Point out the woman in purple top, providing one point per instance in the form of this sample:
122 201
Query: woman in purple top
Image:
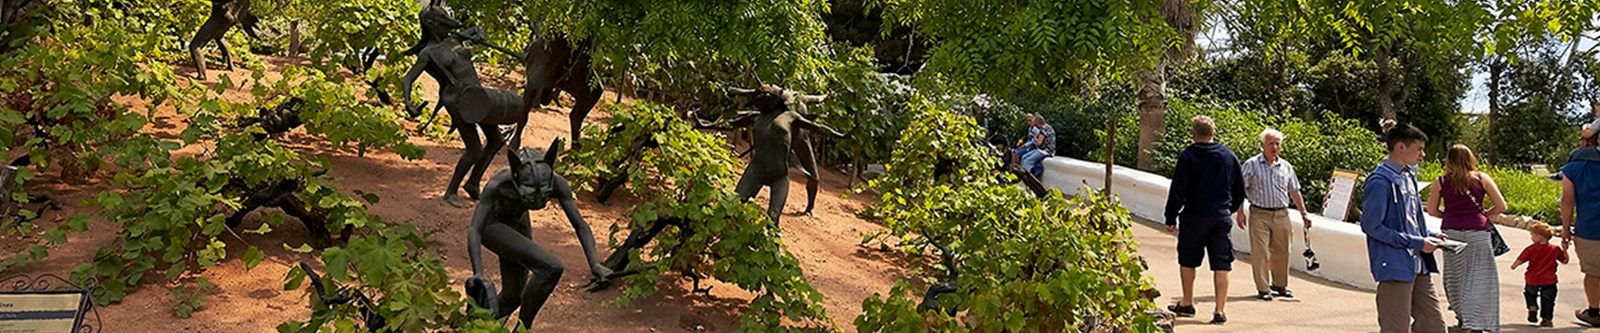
1471 281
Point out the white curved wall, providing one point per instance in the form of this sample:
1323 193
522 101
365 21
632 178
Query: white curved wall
1341 247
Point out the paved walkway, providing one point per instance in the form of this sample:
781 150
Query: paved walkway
1324 306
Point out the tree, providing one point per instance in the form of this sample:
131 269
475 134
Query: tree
1433 33
1002 47
1182 16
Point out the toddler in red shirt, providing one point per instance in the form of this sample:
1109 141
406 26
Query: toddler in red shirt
1542 258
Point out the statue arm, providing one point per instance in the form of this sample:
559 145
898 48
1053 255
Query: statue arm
807 124
579 226
410 80
480 218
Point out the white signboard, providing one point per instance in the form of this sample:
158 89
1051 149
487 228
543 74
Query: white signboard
1340 191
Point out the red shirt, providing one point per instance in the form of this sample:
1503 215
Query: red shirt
1541 259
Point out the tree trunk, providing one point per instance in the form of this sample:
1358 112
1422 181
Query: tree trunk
294 37
1152 113
1111 151
1180 15
1385 83
1496 72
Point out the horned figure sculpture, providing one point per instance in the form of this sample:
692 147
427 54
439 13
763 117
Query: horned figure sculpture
224 15
779 122
559 65
501 224
471 106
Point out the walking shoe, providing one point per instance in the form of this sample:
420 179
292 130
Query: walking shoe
1182 310
1546 323
1264 295
1533 316
1589 317
1218 318
1283 292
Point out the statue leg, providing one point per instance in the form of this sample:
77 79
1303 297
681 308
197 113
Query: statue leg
513 276
780 194
586 100
495 142
748 185
546 270
227 57
808 164
199 41
469 136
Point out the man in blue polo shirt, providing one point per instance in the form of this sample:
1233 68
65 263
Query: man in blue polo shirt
1207 188
1399 244
1580 216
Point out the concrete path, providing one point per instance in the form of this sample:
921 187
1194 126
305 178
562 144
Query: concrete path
1324 306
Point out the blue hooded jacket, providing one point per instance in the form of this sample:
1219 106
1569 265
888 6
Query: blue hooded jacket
1395 240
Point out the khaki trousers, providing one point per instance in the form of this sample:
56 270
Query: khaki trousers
1269 247
1400 302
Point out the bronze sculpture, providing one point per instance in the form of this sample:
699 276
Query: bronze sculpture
471 105
559 64
224 15
778 123
501 224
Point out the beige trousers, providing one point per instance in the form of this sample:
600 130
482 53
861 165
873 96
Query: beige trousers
1269 247
1400 302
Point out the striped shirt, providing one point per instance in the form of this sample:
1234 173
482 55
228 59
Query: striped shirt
1269 185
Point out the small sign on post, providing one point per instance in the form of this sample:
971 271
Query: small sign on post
28 306
1341 189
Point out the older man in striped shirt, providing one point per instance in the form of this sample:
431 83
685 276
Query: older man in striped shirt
1270 184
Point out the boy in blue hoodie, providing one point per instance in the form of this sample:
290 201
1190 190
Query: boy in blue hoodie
1399 244
1207 188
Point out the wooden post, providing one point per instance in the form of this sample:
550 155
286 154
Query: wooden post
294 37
1111 151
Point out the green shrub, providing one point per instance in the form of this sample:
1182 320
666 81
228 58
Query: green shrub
689 177
1025 263
1315 148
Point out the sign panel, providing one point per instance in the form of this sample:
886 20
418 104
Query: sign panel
42 311
1341 189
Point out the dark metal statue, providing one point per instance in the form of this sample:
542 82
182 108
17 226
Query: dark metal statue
471 106
559 64
501 224
778 123
224 15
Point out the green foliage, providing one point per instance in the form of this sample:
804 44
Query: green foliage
688 178
936 140
1024 44
868 107
342 32
406 282
1026 263
329 111
1315 148
673 46
1526 193
187 299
